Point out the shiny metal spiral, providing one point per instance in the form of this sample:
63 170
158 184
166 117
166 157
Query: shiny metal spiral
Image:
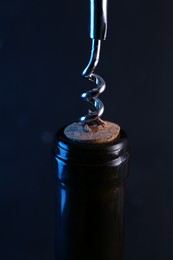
91 96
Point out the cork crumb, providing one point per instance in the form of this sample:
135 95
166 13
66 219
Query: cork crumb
96 127
98 133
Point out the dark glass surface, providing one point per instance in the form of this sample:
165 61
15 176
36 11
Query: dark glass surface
90 188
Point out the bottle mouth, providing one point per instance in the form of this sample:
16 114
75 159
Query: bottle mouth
93 154
85 166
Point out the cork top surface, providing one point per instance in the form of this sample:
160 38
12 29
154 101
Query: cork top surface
103 133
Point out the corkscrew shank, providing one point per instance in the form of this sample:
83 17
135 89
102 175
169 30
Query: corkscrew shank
98 30
92 95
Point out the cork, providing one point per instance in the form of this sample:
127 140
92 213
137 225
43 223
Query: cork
103 133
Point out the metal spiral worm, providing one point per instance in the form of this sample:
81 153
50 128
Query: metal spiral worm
98 30
92 95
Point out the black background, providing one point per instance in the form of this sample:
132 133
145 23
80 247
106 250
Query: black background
44 46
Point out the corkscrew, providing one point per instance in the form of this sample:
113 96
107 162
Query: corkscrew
98 31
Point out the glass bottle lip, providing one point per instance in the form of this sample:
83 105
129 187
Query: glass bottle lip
85 153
